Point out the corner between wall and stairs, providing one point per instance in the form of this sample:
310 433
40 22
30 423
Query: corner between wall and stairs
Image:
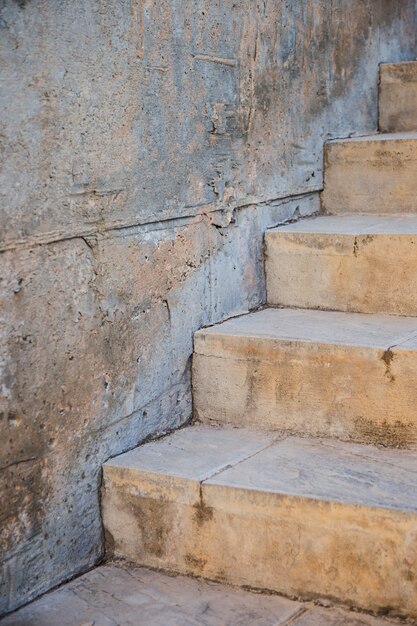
299 475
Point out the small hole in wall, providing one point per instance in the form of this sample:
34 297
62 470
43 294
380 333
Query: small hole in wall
13 419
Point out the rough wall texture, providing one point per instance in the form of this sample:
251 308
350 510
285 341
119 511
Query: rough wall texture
145 147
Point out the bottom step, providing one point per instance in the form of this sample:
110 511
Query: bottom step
306 518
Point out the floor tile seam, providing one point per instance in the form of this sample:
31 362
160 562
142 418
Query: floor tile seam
293 619
152 599
89 605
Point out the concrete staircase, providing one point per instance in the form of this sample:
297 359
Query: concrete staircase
301 475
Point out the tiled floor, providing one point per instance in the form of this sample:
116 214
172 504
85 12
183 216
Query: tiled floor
122 595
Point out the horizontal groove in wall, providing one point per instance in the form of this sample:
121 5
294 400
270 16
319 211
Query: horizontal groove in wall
57 236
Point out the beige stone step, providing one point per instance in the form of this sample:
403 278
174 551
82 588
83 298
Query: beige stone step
362 263
398 97
306 518
375 174
346 375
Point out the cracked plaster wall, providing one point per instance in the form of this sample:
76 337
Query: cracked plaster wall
145 148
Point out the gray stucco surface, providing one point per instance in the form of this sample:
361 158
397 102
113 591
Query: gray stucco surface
146 146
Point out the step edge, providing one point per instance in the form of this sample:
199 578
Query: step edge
204 337
327 500
410 136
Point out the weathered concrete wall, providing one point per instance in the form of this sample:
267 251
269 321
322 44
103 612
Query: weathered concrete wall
145 146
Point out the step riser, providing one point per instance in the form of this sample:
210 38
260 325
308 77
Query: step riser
363 273
353 393
370 176
398 97
295 546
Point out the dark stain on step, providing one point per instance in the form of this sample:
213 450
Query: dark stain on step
154 519
388 357
363 240
355 247
195 563
203 513
397 434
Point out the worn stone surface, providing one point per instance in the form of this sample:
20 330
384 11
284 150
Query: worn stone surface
344 375
374 174
398 97
126 595
307 518
345 263
143 147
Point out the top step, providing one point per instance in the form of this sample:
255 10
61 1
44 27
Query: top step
398 97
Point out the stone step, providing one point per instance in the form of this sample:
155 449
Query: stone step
375 174
398 97
361 263
320 373
305 518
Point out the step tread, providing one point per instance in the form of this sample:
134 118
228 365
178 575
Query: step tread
388 224
315 326
309 468
193 453
384 137
330 470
